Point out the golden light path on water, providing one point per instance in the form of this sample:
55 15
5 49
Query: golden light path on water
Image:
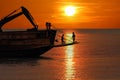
70 73
69 63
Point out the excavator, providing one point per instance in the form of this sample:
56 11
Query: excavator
14 15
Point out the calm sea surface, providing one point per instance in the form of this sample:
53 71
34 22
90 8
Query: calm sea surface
96 57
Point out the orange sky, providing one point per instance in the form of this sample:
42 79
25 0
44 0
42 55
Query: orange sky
89 13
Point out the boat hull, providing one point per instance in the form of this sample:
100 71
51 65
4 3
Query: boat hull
25 43
33 52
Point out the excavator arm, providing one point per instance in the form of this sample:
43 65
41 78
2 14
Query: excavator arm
12 16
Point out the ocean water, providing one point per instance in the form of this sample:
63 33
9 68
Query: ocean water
96 57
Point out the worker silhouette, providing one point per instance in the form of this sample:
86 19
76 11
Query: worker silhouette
48 25
62 39
73 36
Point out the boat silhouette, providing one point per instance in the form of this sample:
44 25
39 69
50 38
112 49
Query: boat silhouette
32 42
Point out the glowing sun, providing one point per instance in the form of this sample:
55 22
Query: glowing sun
70 10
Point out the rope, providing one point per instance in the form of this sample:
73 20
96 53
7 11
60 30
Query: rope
65 38
63 33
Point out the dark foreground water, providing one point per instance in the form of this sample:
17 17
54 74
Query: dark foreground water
96 57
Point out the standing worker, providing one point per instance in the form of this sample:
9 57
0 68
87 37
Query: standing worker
73 36
62 38
48 25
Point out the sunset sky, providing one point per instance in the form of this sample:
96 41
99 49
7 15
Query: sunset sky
87 13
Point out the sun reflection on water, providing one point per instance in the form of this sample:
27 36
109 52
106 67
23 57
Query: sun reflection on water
70 73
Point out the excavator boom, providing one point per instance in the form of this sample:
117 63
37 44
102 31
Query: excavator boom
11 17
